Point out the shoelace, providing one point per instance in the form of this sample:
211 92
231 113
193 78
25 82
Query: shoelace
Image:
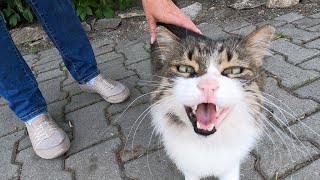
41 131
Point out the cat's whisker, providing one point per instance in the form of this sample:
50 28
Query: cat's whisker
266 131
146 112
291 132
148 151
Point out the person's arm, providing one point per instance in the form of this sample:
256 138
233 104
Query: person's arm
165 11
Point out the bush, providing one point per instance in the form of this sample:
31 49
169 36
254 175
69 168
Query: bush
13 10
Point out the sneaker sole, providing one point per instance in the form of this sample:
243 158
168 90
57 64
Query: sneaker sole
119 97
56 151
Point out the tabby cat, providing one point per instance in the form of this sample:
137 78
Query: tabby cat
206 100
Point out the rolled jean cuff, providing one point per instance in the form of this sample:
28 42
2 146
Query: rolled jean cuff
88 78
35 113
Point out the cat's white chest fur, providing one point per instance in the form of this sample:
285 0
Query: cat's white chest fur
217 155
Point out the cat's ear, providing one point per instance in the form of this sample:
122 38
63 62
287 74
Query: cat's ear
256 44
167 42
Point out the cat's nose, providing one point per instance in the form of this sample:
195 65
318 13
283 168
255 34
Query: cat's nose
207 87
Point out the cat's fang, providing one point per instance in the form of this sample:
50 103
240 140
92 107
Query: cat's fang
218 110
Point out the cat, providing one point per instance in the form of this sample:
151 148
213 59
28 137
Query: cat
206 101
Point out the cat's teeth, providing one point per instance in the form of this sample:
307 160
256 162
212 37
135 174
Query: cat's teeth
218 110
210 127
198 125
194 108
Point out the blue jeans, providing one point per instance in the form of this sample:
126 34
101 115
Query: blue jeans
17 83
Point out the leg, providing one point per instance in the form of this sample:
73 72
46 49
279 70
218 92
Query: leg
63 27
231 174
19 87
17 83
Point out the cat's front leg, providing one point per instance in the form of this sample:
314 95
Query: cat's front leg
232 174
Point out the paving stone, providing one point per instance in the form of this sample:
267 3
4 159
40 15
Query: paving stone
247 170
317 15
283 155
82 100
306 22
234 26
36 168
90 126
30 59
102 42
3 102
49 75
309 172
314 28
109 23
291 76
140 129
115 70
156 165
134 53
245 31
192 10
48 58
297 34
7 143
142 68
109 57
308 128
47 67
313 44
98 162
296 54
131 83
72 89
69 79
145 39
310 91
52 51
9 121
290 17
298 106
56 110
51 90
215 33
312 64
273 23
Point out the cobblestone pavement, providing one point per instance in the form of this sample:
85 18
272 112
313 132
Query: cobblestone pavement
109 145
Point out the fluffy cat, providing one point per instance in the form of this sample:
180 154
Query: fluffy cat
206 100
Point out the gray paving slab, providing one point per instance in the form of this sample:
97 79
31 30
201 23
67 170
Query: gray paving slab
82 100
90 126
48 58
52 51
313 64
297 34
309 172
51 90
316 15
137 131
105 57
72 89
291 76
134 53
245 31
44 76
98 162
214 32
142 68
115 70
9 122
296 54
306 22
30 59
313 44
136 97
234 26
47 67
308 128
273 23
286 108
8 170
3 102
36 168
282 154
290 17
310 91
314 28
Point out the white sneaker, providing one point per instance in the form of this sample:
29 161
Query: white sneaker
111 91
48 139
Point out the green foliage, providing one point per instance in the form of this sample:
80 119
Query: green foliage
15 11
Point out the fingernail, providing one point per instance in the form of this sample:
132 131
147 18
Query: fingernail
152 40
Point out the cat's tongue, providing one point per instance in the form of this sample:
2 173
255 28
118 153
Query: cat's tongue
206 116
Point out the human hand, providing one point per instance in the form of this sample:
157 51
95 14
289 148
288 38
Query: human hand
165 11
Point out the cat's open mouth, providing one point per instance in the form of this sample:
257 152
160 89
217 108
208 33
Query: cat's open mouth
204 117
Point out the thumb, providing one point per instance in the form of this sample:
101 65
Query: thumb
152 28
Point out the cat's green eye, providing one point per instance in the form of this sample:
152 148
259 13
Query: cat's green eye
185 69
232 70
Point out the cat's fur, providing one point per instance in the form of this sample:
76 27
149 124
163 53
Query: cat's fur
198 150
